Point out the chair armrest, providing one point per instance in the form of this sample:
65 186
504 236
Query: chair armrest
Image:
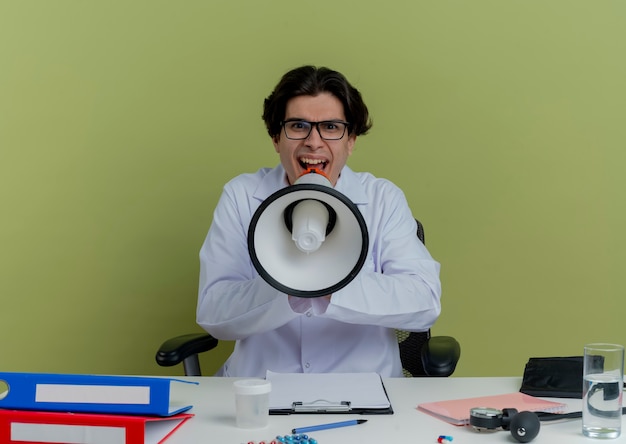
440 355
175 350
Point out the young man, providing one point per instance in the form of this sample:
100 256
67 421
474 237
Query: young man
314 116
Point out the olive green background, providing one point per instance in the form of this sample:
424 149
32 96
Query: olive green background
503 121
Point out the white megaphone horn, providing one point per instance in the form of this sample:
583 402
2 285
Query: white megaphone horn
308 239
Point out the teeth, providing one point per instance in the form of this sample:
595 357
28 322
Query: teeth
311 161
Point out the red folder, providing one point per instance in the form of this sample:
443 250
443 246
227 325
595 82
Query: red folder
37 427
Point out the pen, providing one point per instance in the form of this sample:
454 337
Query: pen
332 425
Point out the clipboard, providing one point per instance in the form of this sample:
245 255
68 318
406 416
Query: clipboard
332 393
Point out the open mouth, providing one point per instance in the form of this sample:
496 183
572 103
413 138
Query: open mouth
306 163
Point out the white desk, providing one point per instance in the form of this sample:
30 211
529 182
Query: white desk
214 421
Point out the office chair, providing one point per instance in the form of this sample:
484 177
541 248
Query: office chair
420 353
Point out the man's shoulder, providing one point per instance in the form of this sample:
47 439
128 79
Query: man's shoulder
374 183
248 180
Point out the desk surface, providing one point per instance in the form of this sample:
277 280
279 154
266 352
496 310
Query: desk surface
214 421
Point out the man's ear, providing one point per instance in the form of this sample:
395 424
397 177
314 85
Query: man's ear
351 142
275 140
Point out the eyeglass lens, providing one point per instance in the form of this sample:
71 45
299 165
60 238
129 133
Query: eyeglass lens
301 129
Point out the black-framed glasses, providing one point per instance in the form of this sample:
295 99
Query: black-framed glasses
298 129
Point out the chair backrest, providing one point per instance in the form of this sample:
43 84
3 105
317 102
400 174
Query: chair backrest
411 342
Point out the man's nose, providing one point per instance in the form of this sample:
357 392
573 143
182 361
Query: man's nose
315 137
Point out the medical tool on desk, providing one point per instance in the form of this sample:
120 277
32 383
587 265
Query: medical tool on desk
523 426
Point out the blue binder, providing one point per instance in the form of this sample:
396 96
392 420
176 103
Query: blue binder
130 395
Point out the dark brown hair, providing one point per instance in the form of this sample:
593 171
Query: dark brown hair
311 81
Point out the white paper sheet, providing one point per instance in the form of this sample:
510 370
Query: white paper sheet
362 390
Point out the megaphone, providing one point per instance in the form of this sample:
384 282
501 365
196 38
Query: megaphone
308 239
